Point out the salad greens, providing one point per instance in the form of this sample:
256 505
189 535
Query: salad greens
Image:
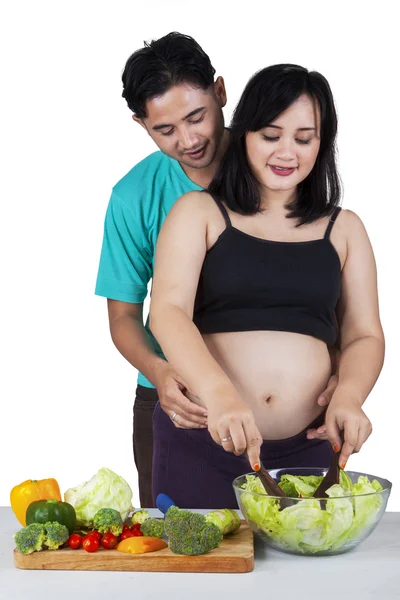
304 526
105 489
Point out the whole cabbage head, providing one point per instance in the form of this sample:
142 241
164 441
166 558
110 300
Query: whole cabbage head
106 489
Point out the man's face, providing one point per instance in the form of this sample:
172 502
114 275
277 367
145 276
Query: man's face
187 123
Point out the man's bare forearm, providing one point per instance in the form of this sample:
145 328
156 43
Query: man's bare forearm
132 340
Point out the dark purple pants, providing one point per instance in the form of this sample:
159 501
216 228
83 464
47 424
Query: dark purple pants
196 472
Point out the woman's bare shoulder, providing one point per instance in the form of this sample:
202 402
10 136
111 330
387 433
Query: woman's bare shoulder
349 219
192 203
350 223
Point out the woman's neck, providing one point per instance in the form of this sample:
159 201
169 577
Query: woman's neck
277 201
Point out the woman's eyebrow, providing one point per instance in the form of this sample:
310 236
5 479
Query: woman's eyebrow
298 129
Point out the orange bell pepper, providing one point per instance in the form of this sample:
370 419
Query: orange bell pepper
141 545
30 490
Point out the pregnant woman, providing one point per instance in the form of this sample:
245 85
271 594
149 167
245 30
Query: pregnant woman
254 282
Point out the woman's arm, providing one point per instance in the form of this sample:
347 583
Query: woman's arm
180 253
361 341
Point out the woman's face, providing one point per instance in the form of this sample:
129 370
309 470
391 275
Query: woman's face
282 154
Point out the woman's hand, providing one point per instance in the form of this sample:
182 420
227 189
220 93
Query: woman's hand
324 400
345 414
231 424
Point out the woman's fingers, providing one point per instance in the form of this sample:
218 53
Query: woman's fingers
232 437
234 440
254 441
241 437
245 437
356 430
351 431
326 396
333 432
363 435
317 434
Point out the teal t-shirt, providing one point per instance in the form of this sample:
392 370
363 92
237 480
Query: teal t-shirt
139 203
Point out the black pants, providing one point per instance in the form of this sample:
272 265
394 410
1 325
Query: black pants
143 408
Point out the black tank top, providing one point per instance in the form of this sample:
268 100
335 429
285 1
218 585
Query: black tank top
248 284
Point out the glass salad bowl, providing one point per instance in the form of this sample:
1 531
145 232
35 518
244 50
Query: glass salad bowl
310 526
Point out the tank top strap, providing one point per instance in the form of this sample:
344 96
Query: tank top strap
331 222
222 209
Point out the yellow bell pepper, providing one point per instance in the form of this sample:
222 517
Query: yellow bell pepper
141 545
28 491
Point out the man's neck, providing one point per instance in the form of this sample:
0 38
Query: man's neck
203 177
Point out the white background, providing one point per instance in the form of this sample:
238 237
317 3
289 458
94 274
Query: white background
67 137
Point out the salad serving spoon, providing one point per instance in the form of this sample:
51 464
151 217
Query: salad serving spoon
272 488
332 477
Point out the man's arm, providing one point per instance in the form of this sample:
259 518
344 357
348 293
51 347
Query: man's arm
131 339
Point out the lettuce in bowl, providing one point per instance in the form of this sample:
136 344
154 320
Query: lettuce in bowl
352 511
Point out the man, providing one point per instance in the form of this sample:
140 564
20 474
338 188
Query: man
169 86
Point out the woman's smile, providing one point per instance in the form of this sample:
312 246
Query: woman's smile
282 171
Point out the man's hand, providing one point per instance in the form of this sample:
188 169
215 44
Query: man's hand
170 388
323 400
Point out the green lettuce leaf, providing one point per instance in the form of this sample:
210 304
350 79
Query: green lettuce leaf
304 526
304 485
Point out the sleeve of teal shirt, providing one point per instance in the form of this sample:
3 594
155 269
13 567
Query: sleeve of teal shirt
125 262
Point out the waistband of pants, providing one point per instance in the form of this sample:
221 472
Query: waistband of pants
297 439
167 430
146 393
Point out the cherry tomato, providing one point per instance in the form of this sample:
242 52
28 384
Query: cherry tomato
126 534
95 534
90 543
74 541
135 526
109 541
136 532
125 528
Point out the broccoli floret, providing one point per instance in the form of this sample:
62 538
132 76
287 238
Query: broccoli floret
153 527
108 520
189 533
30 539
140 516
56 535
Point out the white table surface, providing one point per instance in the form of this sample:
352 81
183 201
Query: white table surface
371 571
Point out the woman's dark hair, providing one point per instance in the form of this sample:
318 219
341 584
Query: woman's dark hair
268 93
161 64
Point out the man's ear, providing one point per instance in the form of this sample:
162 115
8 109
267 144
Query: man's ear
220 91
140 121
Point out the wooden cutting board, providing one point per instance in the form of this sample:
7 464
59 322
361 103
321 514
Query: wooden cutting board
235 555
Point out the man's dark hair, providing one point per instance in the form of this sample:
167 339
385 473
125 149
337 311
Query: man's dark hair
172 60
268 94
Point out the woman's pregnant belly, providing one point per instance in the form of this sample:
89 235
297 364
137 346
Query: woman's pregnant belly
279 374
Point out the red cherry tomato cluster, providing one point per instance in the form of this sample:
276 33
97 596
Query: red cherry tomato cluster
132 531
91 541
